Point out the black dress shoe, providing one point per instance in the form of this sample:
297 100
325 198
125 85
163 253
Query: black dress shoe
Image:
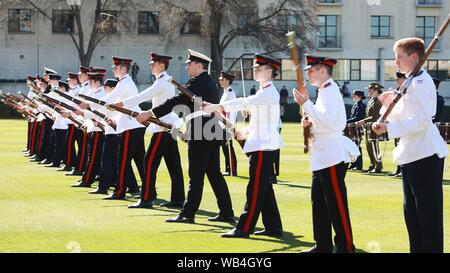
74 172
142 205
181 219
272 233
226 174
219 218
81 184
136 194
51 165
315 249
235 233
99 191
65 169
114 197
171 204
97 178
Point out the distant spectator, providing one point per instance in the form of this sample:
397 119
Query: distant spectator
134 72
284 95
253 90
440 102
345 91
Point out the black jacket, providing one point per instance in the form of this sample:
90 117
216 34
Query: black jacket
202 86
358 112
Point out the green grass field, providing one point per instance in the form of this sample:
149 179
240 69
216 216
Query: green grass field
40 212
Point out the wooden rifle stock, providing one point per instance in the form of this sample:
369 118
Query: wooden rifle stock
307 138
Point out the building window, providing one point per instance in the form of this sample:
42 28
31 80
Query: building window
287 70
355 70
108 24
247 64
438 69
287 22
429 2
425 28
19 20
62 21
390 70
148 22
328 37
247 21
380 26
191 24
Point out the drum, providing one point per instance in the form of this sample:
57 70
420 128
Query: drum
442 129
371 135
351 131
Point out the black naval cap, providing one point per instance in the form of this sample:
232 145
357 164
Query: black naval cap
110 83
54 77
71 75
315 60
261 59
359 93
64 84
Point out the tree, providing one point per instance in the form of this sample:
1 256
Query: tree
246 23
107 16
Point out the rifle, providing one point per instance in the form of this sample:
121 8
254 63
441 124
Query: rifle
77 101
402 90
122 110
307 138
59 111
228 124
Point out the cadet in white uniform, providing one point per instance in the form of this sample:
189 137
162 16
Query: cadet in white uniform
420 151
331 152
262 139
225 81
162 143
130 131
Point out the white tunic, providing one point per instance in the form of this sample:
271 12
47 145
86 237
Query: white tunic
229 94
159 92
124 89
264 107
411 121
99 94
329 118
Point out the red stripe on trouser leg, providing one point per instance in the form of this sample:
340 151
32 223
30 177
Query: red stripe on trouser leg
149 166
91 163
41 136
340 203
83 148
69 146
255 193
123 164
33 137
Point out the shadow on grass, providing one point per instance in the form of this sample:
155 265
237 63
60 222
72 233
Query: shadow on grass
446 182
291 184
